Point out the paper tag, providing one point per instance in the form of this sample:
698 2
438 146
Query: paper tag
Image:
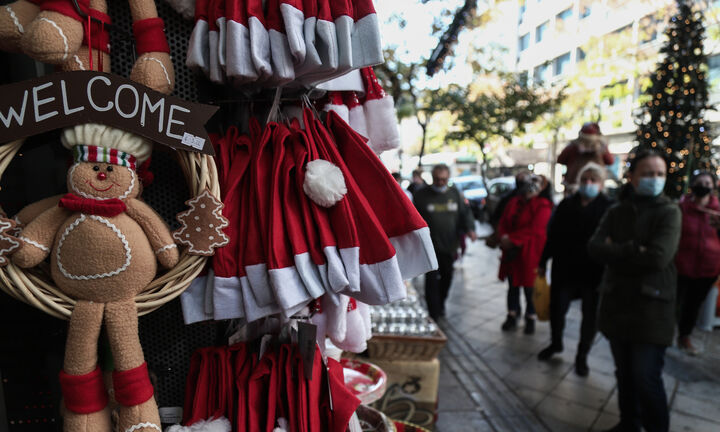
307 344
170 415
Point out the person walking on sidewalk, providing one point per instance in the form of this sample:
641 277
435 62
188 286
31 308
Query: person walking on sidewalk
574 274
447 216
637 240
522 231
698 257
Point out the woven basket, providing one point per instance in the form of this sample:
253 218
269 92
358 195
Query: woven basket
35 287
392 347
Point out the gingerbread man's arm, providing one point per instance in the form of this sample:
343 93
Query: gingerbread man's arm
38 237
156 231
31 211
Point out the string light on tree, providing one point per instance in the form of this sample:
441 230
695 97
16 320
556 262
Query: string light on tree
672 121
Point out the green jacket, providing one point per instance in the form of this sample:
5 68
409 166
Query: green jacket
447 216
637 292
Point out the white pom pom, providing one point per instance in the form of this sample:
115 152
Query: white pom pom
324 183
220 424
282 425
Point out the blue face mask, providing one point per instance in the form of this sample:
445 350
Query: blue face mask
440 189
650 186
589 190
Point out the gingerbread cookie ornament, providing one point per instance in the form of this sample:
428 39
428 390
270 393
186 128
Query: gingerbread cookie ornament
202 225
104 246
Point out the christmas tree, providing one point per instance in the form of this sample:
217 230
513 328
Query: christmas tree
671 121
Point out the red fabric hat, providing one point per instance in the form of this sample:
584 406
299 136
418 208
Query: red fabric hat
259 40
590 129
343 401
399 218
240 68
356 113
294 19
341 218
221 23
335 103
236 359
282 59
289 289
381 281
216 9
292 377
324 44
366 45
198 46
257 294
244 366
317 422
380 115
342 13
227 299
196 388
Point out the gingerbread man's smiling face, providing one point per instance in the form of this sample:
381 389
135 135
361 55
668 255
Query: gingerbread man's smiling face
99 180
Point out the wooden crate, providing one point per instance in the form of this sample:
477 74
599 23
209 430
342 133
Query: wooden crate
396 347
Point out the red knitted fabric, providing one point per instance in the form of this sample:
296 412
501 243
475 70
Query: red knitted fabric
150 36
84 394
132 387
108 208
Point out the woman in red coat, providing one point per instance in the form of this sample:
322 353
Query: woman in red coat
698 257
523 230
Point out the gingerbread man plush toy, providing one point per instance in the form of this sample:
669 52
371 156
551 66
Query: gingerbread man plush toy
104 245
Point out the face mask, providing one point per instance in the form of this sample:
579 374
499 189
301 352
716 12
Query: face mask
650 186
589 190
529 187
700 190
441 189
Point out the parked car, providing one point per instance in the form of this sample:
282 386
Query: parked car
497 189
474 191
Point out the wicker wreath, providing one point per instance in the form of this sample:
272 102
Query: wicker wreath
34 286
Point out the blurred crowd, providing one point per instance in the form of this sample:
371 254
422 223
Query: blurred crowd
641 264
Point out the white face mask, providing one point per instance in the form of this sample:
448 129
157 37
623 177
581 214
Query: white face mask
441 189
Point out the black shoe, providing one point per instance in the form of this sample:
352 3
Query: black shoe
509 324
581 366
529 326
548 352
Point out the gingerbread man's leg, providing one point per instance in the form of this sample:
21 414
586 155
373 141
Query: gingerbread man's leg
153 66
133 391
85 397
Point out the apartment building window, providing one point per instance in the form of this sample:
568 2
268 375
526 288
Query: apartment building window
564 15
561 64
540 31
540 73
523 8
579 55
585 11
524 42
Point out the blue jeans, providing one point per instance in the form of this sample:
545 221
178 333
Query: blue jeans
641 393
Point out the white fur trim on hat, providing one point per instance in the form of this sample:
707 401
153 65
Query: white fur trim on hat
107 137
382 126
324 183
218 425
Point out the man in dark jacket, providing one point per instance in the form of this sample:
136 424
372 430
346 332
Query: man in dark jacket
637 241
574 274
443 208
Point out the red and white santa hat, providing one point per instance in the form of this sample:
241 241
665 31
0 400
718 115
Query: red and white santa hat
366 44
380 115
590 132
216 10
293 17
356 114
321 58
259 40
240 68
407 230
342 13
335 103
282 59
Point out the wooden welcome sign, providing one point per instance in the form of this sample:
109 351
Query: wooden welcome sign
71 98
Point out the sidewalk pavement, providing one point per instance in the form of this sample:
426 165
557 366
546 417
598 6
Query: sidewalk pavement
492 381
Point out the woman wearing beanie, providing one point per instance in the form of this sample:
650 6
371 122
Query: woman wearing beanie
574 274
698 257
522 231
636 241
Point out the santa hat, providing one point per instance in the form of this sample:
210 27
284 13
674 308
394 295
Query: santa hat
293 19
342 13
198 50
216 9
335 103
221 23
380 115
591 132
100 143
321 57
240 68
282 59
356 115
366 45
259 40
